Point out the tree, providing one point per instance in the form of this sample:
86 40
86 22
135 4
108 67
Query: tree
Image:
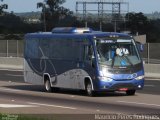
2 7
153 35
141 24
137 23
52 12
12 24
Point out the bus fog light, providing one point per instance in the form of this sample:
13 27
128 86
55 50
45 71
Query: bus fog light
139 86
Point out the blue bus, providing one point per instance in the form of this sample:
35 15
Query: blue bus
83 59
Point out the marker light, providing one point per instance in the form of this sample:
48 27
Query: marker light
71 30
114 36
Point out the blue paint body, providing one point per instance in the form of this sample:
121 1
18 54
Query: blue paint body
122 81
55 67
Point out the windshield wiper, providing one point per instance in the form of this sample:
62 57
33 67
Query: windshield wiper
113 61
128 60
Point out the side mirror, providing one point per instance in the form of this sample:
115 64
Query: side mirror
140 47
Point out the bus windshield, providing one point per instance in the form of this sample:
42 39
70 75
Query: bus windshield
117 53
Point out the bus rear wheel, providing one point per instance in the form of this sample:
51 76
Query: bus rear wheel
47 85
130 92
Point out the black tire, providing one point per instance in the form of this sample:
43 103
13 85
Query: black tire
89 90
130 92
55 89
47 85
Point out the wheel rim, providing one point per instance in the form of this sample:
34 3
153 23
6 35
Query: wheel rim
89 89
47 85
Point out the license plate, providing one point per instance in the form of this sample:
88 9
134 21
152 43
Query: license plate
123 89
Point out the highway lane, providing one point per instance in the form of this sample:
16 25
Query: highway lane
14 76
25 98
151 85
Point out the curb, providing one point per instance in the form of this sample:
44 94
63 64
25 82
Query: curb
152 75
11 67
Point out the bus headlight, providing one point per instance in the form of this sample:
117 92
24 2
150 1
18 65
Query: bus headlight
105 79
140 77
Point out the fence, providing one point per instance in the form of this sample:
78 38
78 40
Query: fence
151 53
11 48
14 48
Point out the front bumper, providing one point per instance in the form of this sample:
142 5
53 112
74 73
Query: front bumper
120 85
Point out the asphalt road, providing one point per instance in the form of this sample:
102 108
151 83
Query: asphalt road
17 97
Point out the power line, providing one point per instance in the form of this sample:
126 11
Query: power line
112 8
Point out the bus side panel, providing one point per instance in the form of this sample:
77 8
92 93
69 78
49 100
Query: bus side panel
73 79
61 59
63 73
68 74
31 76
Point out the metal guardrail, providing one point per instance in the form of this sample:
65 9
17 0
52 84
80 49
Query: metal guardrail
151 61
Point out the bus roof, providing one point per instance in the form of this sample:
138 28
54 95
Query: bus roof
73 32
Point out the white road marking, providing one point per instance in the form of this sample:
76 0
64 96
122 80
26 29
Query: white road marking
149 85
14 75
12 69
147 104
15 106
48 105
98 110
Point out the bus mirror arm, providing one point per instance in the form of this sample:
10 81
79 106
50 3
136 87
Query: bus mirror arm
93 63
90 57
140 46
80 64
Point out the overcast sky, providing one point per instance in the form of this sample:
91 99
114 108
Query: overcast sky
145 6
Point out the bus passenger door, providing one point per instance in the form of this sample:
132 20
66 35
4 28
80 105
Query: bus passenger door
84 66
77 73
89 57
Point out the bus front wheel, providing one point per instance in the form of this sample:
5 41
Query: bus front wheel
130 92
89 90
47 85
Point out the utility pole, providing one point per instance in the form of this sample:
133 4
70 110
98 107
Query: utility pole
103 8
100 13
148 52
116 13
85 14
44 17
43 5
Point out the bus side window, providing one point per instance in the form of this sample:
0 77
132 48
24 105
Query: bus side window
32 48
88 54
